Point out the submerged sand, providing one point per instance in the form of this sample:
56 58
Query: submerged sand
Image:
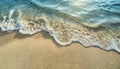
39 51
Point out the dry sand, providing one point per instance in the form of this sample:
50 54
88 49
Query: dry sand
40 52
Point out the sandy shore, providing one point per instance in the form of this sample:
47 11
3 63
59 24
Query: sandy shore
40 52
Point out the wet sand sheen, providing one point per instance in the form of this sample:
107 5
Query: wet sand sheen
18 51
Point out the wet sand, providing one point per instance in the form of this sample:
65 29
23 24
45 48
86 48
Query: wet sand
39 51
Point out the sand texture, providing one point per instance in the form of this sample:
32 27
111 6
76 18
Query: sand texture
39 51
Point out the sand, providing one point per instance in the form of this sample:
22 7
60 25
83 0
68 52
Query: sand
39 51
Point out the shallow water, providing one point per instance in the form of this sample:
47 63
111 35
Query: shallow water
90 22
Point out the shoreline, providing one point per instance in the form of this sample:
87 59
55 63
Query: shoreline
45 34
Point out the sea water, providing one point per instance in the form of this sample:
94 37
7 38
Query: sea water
89 22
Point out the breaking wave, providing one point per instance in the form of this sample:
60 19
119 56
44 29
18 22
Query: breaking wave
89 22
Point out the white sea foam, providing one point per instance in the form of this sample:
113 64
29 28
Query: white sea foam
86 41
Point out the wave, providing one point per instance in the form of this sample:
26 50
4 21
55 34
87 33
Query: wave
88 23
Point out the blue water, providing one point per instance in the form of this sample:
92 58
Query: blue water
89 22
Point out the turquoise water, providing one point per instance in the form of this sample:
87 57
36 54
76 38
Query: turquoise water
89 22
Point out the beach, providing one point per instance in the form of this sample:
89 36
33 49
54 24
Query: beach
40 51
59 34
